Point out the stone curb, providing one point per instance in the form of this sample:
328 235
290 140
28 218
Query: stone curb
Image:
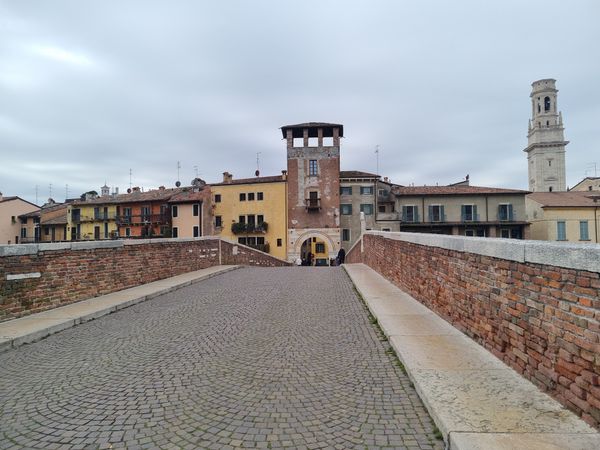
55 325
476 401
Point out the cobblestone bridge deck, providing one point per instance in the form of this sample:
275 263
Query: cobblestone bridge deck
259 358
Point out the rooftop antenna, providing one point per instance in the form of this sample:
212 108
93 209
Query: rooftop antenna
36 194
178 183
257 173
377 157
589 167
130 180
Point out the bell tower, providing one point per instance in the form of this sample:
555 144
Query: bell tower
546 141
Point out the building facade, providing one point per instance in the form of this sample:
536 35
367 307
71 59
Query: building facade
358 192
10 224
191 211
546 143
587 184
572 216
313 202
462 210
252 212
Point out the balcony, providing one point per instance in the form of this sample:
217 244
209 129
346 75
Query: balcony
142 219
469 218
313 204
102 216
388 216
245 228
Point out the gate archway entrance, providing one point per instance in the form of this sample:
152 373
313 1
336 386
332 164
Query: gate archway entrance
314 248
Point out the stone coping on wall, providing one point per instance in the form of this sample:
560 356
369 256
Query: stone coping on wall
568 255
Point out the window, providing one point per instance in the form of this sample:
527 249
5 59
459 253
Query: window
505 233
546 104
312 167
468 213
47 231
505 212
298 142
242 196
196 231
313 142
242 219
23 233
260 218
345 234
145 213
436 213
279 242
128 232
196 210
366 190
549 163
550 189
561 230
218 221
250 196
127 213
345 190
328 141
410 213
346 209
319 247
366 208
259 196
583 231
251 241
469 232
105 230
381 208
251 219
175 232
217 198
260 240
381 192
242 241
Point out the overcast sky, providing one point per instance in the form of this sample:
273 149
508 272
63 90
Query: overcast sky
92 89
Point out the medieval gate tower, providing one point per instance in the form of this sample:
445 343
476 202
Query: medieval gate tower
313 179
546 141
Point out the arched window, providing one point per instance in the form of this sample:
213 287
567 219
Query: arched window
539 108
546 104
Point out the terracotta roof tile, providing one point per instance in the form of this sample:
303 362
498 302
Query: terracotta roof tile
453 190
270 179
356 174
571 199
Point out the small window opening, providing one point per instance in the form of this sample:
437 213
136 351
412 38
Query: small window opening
546 104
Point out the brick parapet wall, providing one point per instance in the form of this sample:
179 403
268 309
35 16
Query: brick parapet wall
64 273
541 318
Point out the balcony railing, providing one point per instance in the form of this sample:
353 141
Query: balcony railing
140 219
388 216
470 218
313 204
243 228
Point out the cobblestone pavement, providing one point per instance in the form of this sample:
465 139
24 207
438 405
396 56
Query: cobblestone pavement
258 357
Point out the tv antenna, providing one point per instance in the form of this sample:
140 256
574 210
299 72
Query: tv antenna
258 163
591 166
36 194
377 158
130 180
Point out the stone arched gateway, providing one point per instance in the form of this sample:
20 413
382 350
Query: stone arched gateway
329 236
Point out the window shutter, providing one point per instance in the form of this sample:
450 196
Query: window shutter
463 212
430 213
442 216
416 214
475 219
510 212
404 213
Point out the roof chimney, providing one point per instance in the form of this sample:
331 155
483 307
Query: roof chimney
227 177
284 175
135 189
161 188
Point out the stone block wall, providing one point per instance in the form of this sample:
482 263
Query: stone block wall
37 277
534 305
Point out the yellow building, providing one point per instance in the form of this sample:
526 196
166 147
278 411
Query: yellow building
92 219
572 216
253 212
